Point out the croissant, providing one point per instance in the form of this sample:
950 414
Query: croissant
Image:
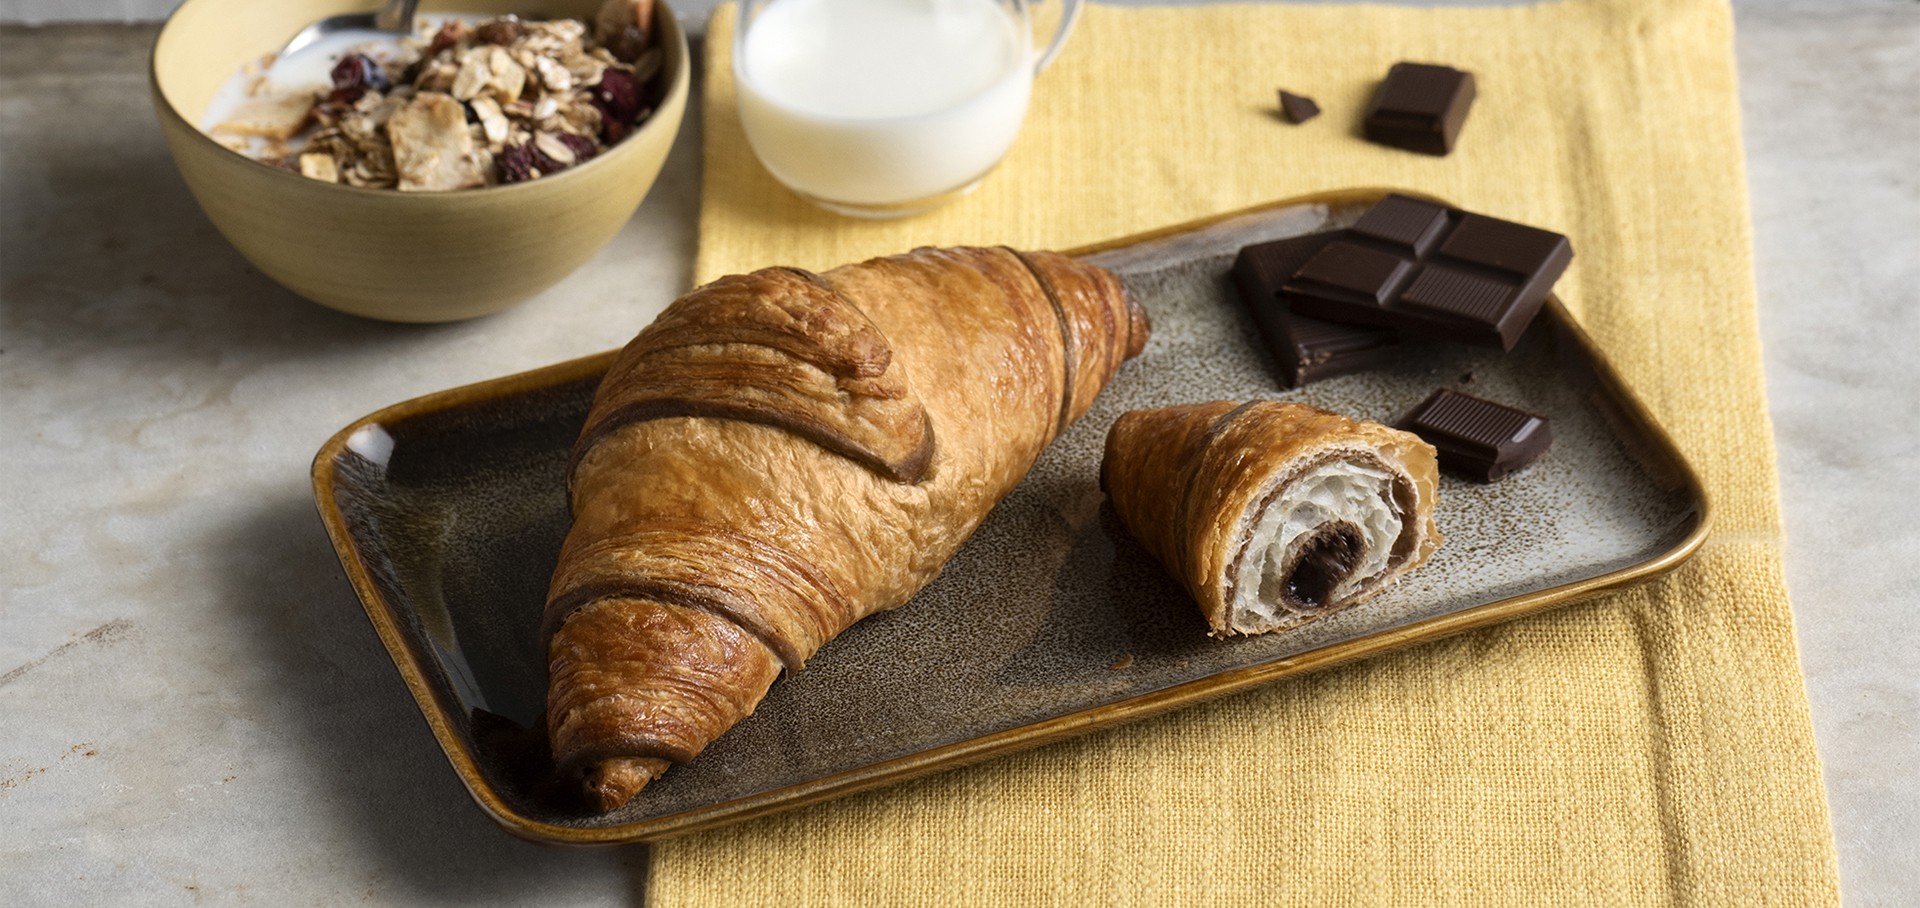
783 453
1272 514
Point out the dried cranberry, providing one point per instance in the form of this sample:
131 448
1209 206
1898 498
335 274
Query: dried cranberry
447 36
582 147
354 76
618 97
515 163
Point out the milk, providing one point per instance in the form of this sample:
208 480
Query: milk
882 102
311 67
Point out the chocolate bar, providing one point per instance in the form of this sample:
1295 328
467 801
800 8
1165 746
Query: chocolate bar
1298 108
1303 349
1420 107
1416 266
1476 437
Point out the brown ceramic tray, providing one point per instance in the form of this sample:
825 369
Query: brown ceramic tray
448 511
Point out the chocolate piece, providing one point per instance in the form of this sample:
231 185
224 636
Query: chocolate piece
1417 266
1298 108
1477 438
1420 107
1304 349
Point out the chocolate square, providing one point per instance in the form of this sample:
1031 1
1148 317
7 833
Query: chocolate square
1420 107
1411 223
1304 349
1354 272
1514 248
1416 266
1452 292
1477 438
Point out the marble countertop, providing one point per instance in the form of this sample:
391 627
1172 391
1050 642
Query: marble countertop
192 705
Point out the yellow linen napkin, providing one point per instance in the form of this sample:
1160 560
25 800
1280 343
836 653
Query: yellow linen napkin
1649 747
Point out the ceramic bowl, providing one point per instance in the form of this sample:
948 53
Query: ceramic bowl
381 253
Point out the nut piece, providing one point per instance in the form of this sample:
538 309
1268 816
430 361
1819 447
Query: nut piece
319 167
625 27
432 149
271 118
509 77
492 120
502 31
476 71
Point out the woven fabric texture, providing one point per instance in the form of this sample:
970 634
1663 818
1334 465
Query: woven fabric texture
1649 747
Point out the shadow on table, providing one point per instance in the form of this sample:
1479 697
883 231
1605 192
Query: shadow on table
101 240
382 779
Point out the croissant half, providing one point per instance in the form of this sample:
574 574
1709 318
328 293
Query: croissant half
1272 514
781 454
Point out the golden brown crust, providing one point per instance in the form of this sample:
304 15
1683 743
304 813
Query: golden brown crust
780 347
768 540
1187 481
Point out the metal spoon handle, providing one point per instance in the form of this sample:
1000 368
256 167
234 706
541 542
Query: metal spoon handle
395 16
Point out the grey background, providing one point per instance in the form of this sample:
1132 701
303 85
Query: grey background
132 341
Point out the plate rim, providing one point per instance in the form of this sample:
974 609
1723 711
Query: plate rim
411 661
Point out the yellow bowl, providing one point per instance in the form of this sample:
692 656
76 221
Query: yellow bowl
381 253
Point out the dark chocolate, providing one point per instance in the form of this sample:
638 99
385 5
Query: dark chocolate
1304 349
1425 268
1420 107
1477 438
1297 108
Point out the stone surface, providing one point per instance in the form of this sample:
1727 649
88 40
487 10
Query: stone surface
192 708
1831 96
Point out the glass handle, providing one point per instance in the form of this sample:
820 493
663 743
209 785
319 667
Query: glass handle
1069 14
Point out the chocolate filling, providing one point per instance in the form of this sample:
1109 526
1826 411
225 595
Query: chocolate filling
1323 561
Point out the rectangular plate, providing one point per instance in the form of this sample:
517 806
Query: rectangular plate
448 512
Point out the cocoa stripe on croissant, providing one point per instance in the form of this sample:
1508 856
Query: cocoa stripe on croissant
781 347
779 598
1068 370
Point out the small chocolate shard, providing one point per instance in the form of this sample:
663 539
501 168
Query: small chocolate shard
1420 107
1477 438
1304 349
1297 108
1419 267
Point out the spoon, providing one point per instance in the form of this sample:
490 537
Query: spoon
394 16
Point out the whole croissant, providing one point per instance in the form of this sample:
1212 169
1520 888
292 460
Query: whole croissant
783 453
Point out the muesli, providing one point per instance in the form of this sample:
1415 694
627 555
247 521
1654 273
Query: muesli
461 105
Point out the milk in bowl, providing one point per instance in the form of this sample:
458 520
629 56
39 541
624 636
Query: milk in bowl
882 107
